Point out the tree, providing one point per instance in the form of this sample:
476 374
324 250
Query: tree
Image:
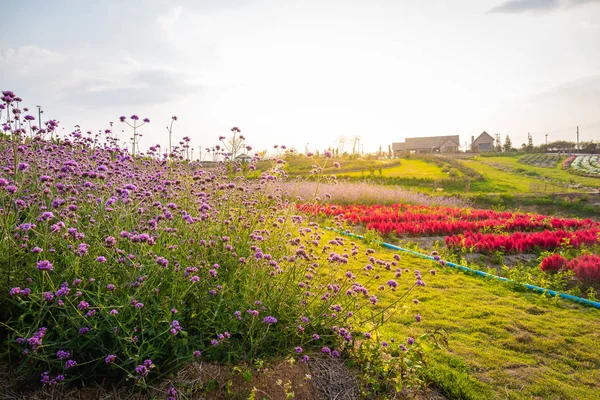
390 154
498 146
507 144
341 141
355 141
380 153
235 144
529 147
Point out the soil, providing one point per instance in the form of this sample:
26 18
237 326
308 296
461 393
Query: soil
319 379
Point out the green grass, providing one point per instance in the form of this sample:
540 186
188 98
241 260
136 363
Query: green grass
503 344
301 165
498 181
556 173
411 168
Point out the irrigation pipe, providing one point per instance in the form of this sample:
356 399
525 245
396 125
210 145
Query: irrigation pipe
536 289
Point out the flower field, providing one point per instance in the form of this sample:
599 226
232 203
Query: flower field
469 230
130 266
586 166
541 160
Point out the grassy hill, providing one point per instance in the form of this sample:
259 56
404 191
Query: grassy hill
503 343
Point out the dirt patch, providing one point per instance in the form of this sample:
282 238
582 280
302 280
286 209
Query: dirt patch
276 380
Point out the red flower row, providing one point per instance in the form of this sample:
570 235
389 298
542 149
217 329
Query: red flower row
520 242
402 219
586 267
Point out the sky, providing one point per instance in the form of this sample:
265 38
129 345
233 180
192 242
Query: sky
306 73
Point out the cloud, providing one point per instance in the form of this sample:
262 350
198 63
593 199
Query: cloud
84 77
27 59
537 6
585 89
140 85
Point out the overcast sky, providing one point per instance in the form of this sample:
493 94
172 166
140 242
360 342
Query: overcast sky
308 72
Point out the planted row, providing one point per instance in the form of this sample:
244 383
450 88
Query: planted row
404 219
541 160
586 267
520 242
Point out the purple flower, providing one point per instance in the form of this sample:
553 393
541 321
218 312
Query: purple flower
325 350
175 327
122 118
113 312
22 167
84 330
163 262
101 259
70 364
172 394
45 265
197 353
141 371
315 336
134 117
410 341
110 287
62 354
110 241
83 305
298 349
110 358
146 120
417 317
269 320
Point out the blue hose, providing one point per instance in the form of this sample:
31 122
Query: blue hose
533 288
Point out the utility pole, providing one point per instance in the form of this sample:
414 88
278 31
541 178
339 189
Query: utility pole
39 116
546 142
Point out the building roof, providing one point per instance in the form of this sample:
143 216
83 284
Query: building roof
484 135
433 141
398 146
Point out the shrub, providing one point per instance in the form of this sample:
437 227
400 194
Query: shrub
586 267
553 263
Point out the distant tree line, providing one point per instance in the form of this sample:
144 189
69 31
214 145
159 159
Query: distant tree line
558 146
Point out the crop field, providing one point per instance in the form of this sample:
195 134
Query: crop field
541 160
586 166
576 242
526 174
409 168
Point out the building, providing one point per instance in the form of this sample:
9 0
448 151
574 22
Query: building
484 142
243 158
433 144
